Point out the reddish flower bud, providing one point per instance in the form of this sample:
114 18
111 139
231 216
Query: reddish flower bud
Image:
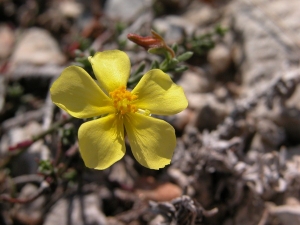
151 42
146 42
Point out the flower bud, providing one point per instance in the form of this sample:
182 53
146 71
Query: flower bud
153 44
146 42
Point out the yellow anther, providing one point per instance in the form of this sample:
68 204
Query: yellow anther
123 100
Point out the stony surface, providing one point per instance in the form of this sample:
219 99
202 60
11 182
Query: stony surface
7 40
269 42
30 212
194 82
43 50
2 92
126 10
84 205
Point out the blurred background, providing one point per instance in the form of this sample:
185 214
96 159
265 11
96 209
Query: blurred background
238 143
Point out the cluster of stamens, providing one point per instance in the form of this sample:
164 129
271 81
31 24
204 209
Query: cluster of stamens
122 100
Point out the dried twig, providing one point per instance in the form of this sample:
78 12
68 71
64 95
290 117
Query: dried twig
44 187
183 211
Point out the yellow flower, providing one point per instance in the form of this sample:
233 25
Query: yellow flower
101 141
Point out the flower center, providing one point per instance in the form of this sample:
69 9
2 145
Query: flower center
122 100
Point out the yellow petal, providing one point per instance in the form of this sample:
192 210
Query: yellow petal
77 93
159 94
152 141
101 142
112 69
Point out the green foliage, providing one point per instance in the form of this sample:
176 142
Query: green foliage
203 43
169 64
68 136
70 175
220 30
81 60
45 167
15 90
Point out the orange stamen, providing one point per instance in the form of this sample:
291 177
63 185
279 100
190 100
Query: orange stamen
123 100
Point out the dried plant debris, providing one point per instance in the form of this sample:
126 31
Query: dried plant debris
182 210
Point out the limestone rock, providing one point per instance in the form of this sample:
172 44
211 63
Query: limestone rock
30 211
71 9
36 46
2 92
201 14
286 214
194 82
126 10
209 111
173 28
7 40
28 158
59 212
268 38
219 58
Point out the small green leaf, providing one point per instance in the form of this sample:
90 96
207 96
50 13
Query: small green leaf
139 69
154 65
173 62
45 167
135 78
70 175
175 47
132 81
158 51
185 56
220 30
180 69
15 90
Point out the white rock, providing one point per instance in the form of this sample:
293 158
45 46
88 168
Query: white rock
126 10
59 212
180 120
38 47
194 82
219 58
269 35
32 210
286 214
26 163
2 91
16 135
209 111
159 219
172 28
197 101
19 134
70 8
200 14
7 40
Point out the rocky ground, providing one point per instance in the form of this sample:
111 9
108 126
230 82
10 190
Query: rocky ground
237 160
